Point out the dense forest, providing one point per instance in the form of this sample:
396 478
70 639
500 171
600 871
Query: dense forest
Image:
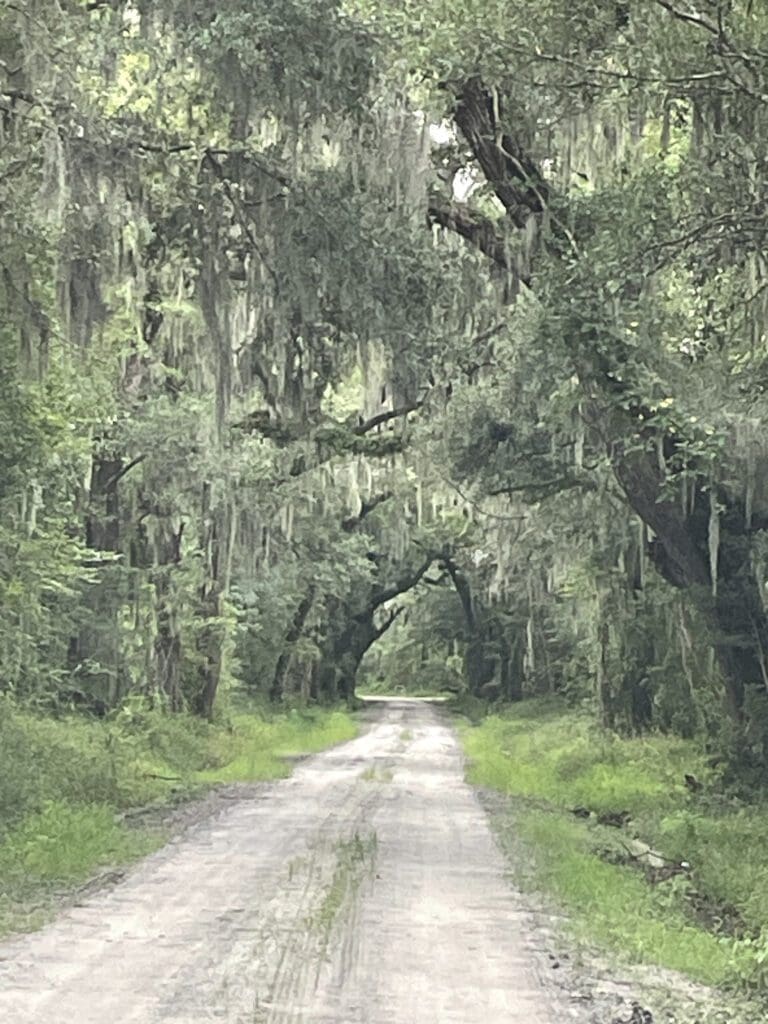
330 319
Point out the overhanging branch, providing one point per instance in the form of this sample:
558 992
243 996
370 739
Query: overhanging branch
385 417
464 591
691 17
351 524
379 631
554 486
513 175
122 472
406 582
474 228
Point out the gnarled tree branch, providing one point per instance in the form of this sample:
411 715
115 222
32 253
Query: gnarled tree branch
473 227
384 417
514 176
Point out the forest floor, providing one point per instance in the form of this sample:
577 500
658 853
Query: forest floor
367 887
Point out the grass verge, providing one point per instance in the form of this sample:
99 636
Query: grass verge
257 747
64 783
707 919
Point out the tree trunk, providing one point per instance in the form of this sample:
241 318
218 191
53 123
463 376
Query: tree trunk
95 656
166 647
345 651
209 650
344 654
603 677
732 605
346 645
211 629
276 691
478 667
512 667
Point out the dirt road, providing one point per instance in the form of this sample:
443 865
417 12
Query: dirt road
365 889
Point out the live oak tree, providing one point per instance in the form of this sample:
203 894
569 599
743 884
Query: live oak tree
617 188
199 249
308 305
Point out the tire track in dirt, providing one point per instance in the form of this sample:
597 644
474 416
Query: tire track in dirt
365 889
299 970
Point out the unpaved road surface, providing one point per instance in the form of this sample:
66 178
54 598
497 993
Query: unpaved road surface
365 889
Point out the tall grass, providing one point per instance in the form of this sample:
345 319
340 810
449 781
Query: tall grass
556 761
261 748
64 782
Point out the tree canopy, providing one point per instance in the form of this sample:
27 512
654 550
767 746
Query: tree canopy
323 319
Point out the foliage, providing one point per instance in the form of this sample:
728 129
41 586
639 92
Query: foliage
708 921
239 359
262 748
64 843
598 894
178 318
66 780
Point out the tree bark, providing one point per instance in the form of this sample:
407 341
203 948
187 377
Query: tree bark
210 638
512 667
344 653
345 646
166 647
276 690
478 667
94 654
733 606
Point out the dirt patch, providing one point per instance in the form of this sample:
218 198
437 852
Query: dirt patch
167 821
188 810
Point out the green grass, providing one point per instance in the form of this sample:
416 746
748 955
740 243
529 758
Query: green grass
554 760
261 748
562 758
374 774
355 860
64 843
614 906
65 781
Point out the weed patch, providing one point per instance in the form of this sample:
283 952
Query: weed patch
64 842
65 781
374 774
354 862
256 748
708 921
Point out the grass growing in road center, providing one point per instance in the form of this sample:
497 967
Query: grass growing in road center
708 923
355 860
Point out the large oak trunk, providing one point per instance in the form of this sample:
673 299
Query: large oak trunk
732 603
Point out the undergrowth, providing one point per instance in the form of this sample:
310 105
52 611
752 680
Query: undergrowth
707 920
65 781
